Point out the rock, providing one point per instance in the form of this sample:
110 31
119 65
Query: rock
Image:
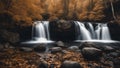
62 24
52 66
40 48
9 36
1 46
60 44
26 49
116 63
91 53
74 48
6 45
56 49
114 54
64 31
107 48
64 51
86 44
43 65
70 64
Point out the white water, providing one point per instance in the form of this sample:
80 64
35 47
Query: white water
100 41
83 31
39 30
105 32
91 29
101 31
40 33
46 25
98 31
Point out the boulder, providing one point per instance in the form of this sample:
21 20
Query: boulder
86 44
56 49
43 65
91 53
74 48
60 44
70 64
26 49
107 48
40 48
114 54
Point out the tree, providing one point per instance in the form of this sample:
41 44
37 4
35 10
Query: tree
66 8
112 8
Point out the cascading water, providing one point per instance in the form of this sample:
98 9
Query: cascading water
87 31
98 31
91 30
102 32
40 33
83 31
105 32
46 25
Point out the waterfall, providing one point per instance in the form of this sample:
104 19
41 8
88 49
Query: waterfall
102 32
91 30
40 33
87 32
105 32
98 31
46 25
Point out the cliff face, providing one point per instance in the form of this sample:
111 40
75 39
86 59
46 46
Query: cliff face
23 12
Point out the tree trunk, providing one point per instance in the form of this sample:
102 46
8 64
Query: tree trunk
7 2
66 8
105 3
90 5
113 12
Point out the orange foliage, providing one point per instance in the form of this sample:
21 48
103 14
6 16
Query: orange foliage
31 10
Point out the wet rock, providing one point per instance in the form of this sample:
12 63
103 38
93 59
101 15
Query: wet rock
74 48
64 51
40 48
56 49
86 44
26 49
60 44
91 53
43 65
70 64
114 54
107 48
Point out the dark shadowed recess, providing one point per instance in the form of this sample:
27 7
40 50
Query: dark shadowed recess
62 34
114 31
